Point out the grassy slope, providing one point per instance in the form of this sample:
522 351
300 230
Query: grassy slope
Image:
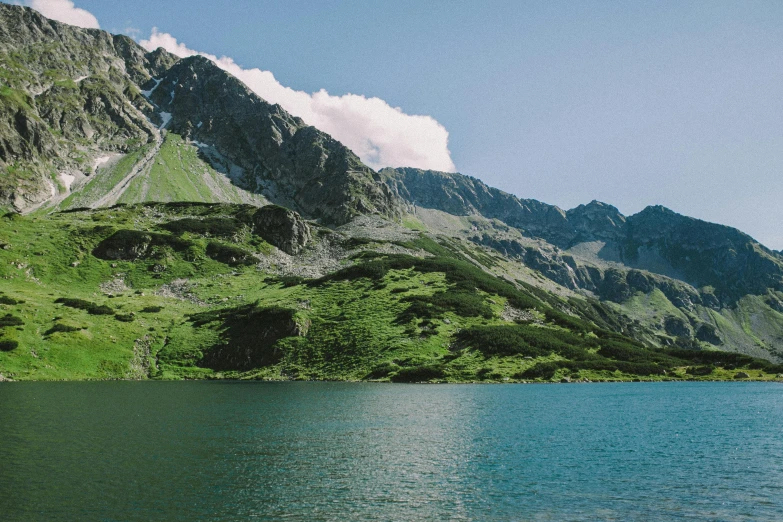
350 326
178 174
104 180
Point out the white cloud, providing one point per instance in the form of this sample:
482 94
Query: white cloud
381 135
64 11
133 32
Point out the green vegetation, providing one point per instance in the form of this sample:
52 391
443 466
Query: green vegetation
229 254
62 328
177 173
103 181
10 320
81 304
6 345
223 227
176 286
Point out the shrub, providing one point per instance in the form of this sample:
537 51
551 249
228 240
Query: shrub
125 318
58 327
291 280
6 345
213 226
622 351
419 373
700 370
130 245
247 336
632 368
100 310
230 255
356 242
526 340
545 370
728 360
567 321
10 320
382 370
151 309
81 304
461 303
4 299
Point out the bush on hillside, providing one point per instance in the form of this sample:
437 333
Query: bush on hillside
230 255
130 245
10 320
4 299
61 328
80 304
6 345
213 226
700 370
419 373
524 339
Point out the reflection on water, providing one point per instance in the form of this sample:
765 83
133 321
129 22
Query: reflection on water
230 450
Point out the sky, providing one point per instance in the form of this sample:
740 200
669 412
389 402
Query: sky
631 103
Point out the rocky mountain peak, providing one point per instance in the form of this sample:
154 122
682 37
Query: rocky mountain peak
596 221
264 148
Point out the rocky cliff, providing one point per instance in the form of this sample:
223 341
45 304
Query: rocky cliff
721 259
268 150
71 95
66 94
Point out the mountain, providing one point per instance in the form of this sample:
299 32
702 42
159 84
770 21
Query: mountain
72 96
162 220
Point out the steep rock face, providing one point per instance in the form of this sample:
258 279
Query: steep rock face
66 94
283 228
613 284
596 221
277 154
70 95
721 261
709 255
463 195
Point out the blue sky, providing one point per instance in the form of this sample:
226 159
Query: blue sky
632 103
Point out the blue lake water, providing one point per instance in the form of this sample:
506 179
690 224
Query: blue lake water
350 451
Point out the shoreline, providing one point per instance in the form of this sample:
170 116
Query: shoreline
345 381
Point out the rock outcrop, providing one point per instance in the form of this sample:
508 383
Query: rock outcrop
265 149
464 195
71 94
721 260
282 228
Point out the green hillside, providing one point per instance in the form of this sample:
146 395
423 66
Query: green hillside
176 290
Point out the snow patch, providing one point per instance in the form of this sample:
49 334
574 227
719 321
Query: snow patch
166 117
100 160
80 78
67 180
148 93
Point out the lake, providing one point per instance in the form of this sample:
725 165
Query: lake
228 450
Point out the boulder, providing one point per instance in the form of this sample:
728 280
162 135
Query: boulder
676 326
707 333
741 375
282 228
